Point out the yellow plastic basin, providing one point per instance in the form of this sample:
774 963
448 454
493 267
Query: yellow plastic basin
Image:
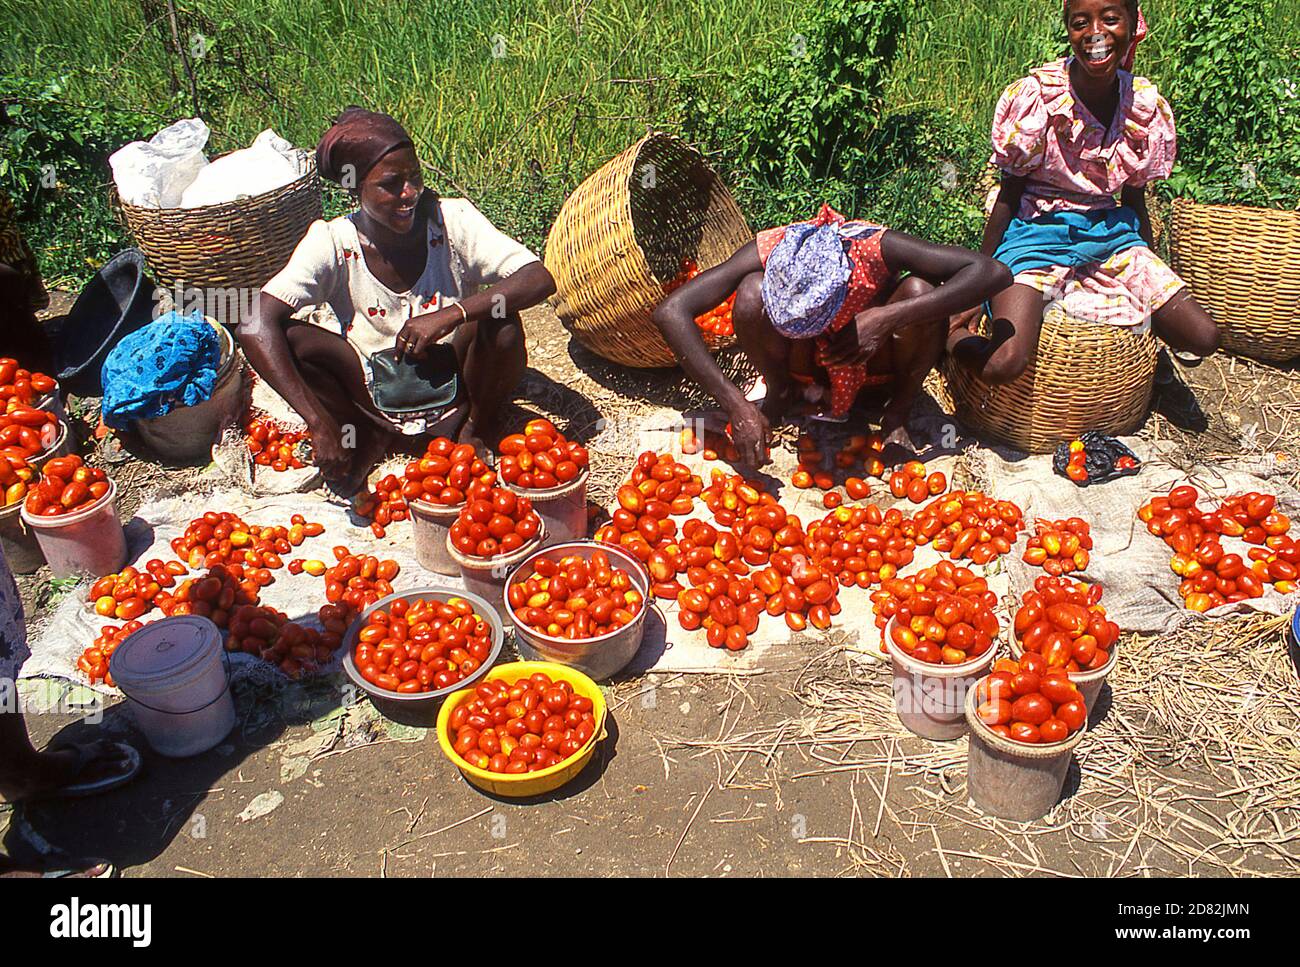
528 783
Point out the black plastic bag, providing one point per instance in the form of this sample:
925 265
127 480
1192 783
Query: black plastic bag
1101 453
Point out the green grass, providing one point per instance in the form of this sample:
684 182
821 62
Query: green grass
578 82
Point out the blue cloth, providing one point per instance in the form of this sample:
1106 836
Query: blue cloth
169 363
1068 238
805 280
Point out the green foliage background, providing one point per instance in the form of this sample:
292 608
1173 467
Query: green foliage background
883 110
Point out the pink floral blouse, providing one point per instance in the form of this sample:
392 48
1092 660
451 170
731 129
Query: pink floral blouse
1073 163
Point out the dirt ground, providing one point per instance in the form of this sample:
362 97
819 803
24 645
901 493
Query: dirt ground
797 770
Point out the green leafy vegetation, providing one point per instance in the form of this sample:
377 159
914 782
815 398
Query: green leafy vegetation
1237 109
514 102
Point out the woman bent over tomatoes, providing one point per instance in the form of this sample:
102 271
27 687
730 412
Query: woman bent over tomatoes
823 313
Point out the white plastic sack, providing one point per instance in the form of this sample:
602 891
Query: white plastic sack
265 166
155 173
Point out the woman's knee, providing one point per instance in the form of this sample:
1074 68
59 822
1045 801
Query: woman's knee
501 336
1005 365
912 287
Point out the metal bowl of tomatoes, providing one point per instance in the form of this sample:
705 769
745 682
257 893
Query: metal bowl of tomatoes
524 777
600 656
418 705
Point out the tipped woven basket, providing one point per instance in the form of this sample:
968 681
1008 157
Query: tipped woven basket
1243 266
1085 376
624 232
237 245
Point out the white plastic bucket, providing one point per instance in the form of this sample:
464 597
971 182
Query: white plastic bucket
89 541
931 699
430 524
175 678
17 540
563 509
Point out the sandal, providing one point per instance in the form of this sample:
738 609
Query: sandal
87 753
97 870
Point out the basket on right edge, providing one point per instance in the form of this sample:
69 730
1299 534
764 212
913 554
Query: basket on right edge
1085 376
1243 266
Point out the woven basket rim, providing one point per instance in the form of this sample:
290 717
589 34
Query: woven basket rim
230 208
1287 213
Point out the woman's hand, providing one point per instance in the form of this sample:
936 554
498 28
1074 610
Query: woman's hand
862 340
422 332
965 320
751 434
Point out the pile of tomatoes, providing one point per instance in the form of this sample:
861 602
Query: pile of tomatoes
216 594
1026 701
498 524
220 537
911 482
967 525
67 485
447 475
1060 547
131 592
26 432
718 320
357 581
515 728
272 446
269 635
422 645
22 386
94 660
384 505
658 489
943 615
574 598
1211 576
540 458
861 546
1065 623
727 600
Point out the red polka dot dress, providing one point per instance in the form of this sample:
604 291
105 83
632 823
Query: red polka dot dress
869 283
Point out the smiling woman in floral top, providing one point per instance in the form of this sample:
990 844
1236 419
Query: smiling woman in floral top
407 271
1069 138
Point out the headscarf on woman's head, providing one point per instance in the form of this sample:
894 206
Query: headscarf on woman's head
1139 35
358 138
809 272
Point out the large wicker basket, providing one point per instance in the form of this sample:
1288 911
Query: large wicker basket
624 232
1086 376
1243 265
235 245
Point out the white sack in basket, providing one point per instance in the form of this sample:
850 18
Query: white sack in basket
155 173
269 163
